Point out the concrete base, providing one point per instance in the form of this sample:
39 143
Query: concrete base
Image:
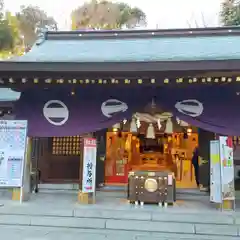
86 198
227 205
17 196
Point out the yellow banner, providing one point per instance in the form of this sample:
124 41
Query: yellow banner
215 158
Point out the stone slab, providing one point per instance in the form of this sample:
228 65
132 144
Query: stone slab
48 229
37 211
15 220
177 236
67 222
111 214
194 218
55 233
74 236
185 238
150 226
237 219
221 230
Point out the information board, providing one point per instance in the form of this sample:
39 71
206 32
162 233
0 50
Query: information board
215 173
13 139
89 165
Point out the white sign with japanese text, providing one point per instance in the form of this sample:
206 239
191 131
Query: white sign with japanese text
215 174
13 139
89 165
227 168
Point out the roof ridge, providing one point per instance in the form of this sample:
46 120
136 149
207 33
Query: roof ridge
147 33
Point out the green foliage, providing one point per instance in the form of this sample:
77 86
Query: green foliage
16 31
14 26
230 13
32 20
6 36
107 15
9 31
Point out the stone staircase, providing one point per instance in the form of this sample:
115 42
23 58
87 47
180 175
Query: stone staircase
58 214
137 223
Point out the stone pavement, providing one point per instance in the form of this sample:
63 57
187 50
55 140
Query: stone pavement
50 233
59 216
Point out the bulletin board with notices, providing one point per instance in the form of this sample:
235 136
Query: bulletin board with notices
13 141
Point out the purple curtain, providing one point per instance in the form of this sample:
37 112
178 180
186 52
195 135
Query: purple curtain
58 113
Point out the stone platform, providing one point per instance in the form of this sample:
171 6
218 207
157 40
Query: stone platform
112 217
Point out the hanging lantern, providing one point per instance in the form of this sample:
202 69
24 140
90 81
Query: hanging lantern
116 126
189 131
150 131
169 126
178 121
183 123
133 126
138 123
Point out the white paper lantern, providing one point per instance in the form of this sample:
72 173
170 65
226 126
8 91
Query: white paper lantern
150 132
133 126
169 126
116 126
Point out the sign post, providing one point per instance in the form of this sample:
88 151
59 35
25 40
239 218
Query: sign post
215 173
88 171
222 190
227 172
13 140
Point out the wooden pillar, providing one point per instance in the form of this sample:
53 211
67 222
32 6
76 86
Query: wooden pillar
204 138
101 155
23 193
84 198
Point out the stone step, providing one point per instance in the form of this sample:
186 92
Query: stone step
46 186
53 233
132 220
50 188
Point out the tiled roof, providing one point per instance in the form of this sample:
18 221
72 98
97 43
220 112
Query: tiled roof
6 94
161 48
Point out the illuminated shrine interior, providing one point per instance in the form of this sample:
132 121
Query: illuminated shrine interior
151 143
147 142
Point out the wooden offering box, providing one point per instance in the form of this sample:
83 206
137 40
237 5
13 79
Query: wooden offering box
154 161
151 187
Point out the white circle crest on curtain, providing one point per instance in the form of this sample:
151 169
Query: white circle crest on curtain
56 112
113 106
190 107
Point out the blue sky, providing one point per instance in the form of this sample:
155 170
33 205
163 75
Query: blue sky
164 13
